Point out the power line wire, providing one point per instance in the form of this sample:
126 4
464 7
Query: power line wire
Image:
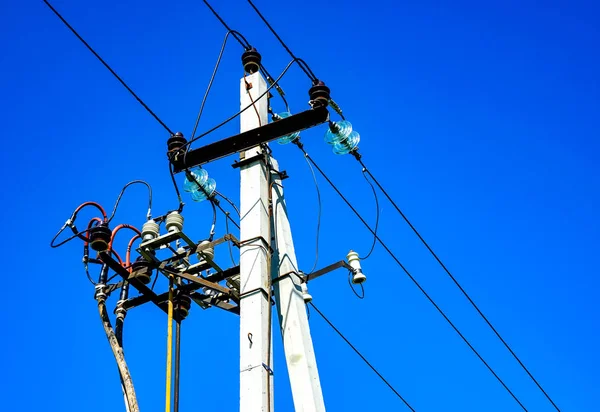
230 118
361 356
300 146
464 292
246 45
210 83
228 200
140 101
312 171
376 216
149 214
305 68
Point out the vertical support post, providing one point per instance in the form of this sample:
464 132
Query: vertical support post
291 309
255 233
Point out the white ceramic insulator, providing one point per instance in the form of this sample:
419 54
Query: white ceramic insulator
174 222
182 263
210 252
305 295
150 230
354 261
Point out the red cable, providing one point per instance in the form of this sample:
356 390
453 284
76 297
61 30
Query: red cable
128 255
81 206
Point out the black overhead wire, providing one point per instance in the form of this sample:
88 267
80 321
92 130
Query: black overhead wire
246 45
301 62
311 75
210 83
212 200
149 214
228 200
238 36
172 174
393 256
78 234
303 65
376 216
464 292
361 356
319 212
230 118
140 101
226 213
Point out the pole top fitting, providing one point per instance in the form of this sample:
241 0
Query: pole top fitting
319 94
251 60
176 142
100 237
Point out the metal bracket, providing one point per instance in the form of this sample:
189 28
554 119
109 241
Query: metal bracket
120 270
252 159
326 269
251 138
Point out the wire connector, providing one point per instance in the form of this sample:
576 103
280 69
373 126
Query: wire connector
120 311
100 294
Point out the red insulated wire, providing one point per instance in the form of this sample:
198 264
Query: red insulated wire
117 256
100 208
116 230
128 255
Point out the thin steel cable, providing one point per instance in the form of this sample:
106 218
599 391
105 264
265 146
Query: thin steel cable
140 101
210 83
417 284
362 288
149 214
464 292
376 216
228 201
312 171
227 215
361 356
229 243
172 174
275 82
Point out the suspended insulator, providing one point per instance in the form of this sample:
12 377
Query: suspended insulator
289 137
199 185
341 137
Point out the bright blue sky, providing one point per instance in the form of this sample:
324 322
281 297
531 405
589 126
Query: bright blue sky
482 120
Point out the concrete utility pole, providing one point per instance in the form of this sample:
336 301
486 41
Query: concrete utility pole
255 231
293 320
259 174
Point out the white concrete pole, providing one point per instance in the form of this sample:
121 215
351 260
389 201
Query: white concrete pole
291 309
255 388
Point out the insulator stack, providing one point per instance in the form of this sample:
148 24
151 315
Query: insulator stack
287 138
199 185
341 136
